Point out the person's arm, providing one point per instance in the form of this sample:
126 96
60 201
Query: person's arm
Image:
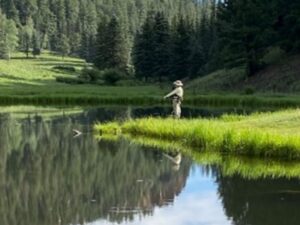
171 93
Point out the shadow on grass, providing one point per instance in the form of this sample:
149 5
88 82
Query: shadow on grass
64 72
46 59
11 77
62 63
23 58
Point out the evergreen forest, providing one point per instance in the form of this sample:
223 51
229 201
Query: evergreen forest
153 39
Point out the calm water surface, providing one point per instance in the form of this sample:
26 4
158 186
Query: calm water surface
50 177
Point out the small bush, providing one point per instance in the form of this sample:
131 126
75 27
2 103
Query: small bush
69 80
36 51
90 74
65 68
129 82
112 76
274 55
249 90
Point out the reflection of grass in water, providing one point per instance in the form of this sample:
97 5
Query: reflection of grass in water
262 134
248 168
21 111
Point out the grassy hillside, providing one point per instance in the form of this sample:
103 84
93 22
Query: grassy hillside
218 81
35 80
36 71
281 76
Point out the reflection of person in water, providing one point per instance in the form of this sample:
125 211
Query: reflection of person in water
175 158
177 97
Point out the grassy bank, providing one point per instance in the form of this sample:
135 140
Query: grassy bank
262 135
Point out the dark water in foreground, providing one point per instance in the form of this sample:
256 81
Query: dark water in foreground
48 177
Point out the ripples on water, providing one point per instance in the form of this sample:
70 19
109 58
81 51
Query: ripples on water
48 177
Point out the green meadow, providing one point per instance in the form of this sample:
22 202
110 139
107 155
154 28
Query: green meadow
33 81
266 135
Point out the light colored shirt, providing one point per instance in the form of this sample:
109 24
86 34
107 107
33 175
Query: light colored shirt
177 91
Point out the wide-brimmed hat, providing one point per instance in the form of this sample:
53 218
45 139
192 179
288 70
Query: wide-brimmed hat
178 83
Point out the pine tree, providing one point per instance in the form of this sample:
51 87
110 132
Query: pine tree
116 56
8 37
100 59
43 21
10 10
143 50
63 45
196 59
245 31
204 34
213 61
11 36
287 25
61 17
162 46
36 43
26 35
3 44
111 51
181 49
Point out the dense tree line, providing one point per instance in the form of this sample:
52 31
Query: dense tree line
70 26
226 34
162 39
173 50
8 36
247 30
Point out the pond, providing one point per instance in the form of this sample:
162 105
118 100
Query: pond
50 176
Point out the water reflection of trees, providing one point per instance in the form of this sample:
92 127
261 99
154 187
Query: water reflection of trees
47 177
260 201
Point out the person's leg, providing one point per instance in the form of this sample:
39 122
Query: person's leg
176 109
178 113
174 103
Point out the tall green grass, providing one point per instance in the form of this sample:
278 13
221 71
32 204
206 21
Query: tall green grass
142 95
262 134
278 101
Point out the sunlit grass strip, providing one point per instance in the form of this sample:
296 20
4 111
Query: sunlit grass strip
76 100
90 95
247 135
244 100
248 168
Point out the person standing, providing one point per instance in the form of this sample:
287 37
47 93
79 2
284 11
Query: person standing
177 97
